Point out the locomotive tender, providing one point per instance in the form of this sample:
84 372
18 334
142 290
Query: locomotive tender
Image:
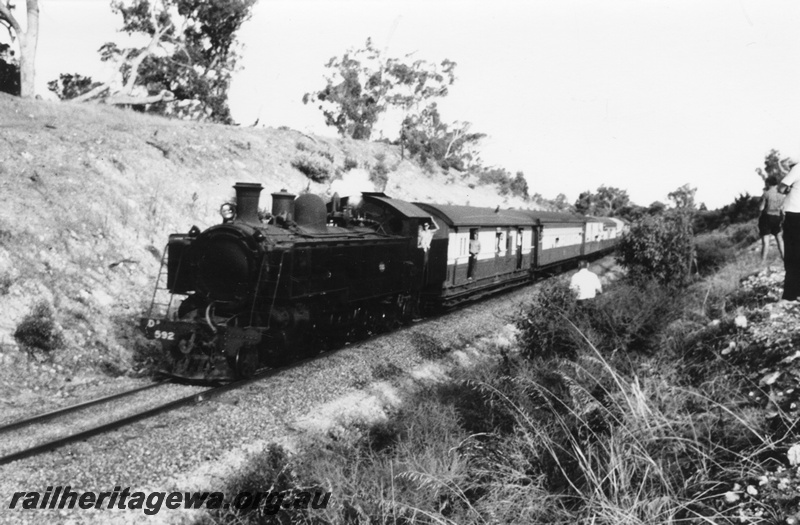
262 291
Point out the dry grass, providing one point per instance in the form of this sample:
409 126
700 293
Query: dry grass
595 439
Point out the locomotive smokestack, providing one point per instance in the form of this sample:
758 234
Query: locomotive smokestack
283 205
247 194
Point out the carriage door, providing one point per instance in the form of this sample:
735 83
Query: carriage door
519 248
474 246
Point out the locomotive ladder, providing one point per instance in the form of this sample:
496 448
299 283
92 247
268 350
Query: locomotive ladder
161 288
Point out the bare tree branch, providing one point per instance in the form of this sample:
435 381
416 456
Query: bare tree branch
164 96
93 93
149 50
5 15
5 23
457 135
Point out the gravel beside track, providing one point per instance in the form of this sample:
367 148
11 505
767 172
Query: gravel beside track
197 448
90 417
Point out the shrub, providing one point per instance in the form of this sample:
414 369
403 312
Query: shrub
350 163
314 168
544 330
659 247
37 330
271 473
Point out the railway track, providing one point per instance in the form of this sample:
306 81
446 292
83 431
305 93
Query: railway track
52 444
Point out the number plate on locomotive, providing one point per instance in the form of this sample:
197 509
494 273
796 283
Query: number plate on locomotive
163 330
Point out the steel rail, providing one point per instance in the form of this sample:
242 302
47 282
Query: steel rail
184 401
74 408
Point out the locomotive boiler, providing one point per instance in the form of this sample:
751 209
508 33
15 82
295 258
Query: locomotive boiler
261 291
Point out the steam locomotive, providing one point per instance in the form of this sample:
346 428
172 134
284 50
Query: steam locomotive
261 290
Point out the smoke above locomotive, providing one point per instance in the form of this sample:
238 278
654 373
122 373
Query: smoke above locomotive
261 290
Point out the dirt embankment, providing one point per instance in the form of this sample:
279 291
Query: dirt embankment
91 193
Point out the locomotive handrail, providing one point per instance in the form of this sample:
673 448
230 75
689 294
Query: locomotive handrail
275 294
264 262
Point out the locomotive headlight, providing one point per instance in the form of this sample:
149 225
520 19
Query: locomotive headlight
228 211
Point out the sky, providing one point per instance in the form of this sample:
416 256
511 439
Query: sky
643 95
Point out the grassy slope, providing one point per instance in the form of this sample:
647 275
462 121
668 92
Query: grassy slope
90 194
683 409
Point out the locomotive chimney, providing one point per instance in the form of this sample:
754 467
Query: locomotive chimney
247 201
283 205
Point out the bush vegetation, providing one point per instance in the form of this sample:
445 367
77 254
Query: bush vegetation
506 183
38 330
659 247
313 167
743 209
716 248
601 432
350 163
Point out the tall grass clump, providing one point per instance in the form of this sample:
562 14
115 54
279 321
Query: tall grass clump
628 318
597 446
407 470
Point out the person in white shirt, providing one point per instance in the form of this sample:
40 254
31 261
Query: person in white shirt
424 239
585 283
791 232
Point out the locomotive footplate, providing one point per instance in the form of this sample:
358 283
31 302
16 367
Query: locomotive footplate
229 338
